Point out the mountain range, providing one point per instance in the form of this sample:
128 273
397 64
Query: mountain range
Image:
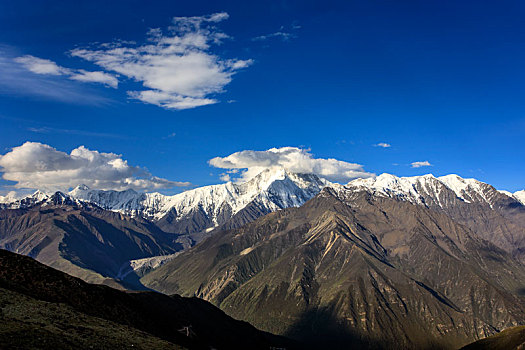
420 262
196 212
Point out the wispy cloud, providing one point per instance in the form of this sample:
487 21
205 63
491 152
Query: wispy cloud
383 145
281 34
420 164
95 77
172 135
176 66
17 80
41 66
40 166
48 130
291 158
47 67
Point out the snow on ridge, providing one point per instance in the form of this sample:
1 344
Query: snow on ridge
462 186
12 202
273 189
519 196
389 185
415 188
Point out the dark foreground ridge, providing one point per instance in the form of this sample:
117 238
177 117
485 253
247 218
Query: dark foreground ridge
512 338
42 308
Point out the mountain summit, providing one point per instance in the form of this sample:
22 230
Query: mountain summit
200 210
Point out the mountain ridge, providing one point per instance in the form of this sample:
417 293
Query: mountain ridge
155 205
350 264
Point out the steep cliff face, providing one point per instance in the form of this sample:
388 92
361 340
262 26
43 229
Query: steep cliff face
352 266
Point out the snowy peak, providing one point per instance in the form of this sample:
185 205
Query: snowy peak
45 199
125 201
428 189
406 188
11 202
519 196
272 189
469 190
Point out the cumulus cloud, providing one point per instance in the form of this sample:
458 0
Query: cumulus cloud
420 164
39 166
291 158
47 67
383 145
176 66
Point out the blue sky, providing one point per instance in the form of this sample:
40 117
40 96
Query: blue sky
438 81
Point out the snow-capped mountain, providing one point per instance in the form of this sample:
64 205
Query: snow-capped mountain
520 196
495 216
233 204
202 208
273 188
430 190
11 202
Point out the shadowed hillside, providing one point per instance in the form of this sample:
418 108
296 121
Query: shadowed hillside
509 339
43 308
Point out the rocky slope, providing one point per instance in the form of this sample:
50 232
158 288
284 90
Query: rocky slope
42 308
493 215
82 239
355 267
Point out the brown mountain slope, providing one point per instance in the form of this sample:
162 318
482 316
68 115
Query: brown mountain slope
82 239
495 217
43 308
362 270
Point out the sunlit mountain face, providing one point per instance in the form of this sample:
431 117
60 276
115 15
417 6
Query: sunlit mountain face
273 175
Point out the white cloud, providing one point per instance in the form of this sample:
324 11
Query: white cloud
280 34
95 77
293 159
48 67
420 164
41 66
17 80
383 144
176 67
170 101
283 35
39 166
